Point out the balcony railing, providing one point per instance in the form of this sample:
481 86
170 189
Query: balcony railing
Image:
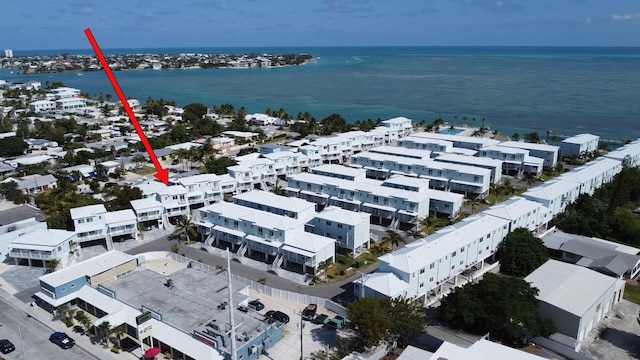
30 255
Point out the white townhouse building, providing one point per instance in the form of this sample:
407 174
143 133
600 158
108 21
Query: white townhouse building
16 222
494 165
149 212
261 119
42 106
340 172
275 204
122 223
90 223
515 161
522 213
593 174
629 152
204 189
243 177
420 268
281 239
334 149
422 143
441 203
556 194
173 199
228 184
287 162
93 222
399 127
350 229
443 176
71 103
579 144
574 297
459 141
547 152
40 246
386 204
312 153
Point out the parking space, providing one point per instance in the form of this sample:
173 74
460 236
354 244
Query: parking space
315 337
617 337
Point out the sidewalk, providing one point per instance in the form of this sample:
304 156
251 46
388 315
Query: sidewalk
83 342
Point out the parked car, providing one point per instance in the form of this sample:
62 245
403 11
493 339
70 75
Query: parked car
256 305
277 316
61 339
6 346
320 319
309 312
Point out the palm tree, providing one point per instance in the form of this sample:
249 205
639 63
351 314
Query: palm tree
118 332
62 311
52 265
186 229
427 223
182 155
324 266
277 189
379 249
496 189
104 330
393 239
475 203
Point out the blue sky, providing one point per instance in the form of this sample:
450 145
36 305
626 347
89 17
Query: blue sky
46 24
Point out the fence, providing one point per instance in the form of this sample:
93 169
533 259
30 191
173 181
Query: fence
258 287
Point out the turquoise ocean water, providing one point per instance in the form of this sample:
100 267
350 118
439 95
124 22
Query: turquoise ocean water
516 89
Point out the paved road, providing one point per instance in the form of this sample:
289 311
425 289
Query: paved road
272 280
35 338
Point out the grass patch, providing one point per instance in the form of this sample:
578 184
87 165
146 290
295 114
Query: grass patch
145 170
632 293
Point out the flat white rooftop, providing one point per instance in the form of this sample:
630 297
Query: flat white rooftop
87 211
269 199
339 215
340 170
569 287
581 139
91 267
530 146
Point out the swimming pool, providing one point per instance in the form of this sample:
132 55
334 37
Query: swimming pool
450 131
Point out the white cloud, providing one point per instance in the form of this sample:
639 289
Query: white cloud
625 18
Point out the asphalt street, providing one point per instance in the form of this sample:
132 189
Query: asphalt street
329 291
35 338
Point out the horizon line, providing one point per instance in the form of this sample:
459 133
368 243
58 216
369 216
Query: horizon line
340 46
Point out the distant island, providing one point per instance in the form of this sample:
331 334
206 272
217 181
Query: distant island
83 63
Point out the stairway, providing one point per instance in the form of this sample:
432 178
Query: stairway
241 251
210 239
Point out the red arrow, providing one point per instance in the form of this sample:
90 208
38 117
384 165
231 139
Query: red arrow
163 174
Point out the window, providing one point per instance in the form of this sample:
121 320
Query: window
63 289
80 221
328 223
460 262
431 279
432 265
461 249
454 254
72 286
453 267
339 226
422 271
90 220
421 284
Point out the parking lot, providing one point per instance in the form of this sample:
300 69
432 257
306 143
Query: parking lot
315 337
618 336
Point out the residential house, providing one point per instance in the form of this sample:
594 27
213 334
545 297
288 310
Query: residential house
37 247
421 268
16 222
34 184
202 190
629 154
465 142
594 174
556 194
428 144
515 161
613 259
149 212
42 106
486 163
350 229
547 152
71 103
90 224
579 145
522 213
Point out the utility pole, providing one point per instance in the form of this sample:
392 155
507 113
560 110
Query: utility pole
234 356
301 337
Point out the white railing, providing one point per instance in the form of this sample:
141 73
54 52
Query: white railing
30 255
